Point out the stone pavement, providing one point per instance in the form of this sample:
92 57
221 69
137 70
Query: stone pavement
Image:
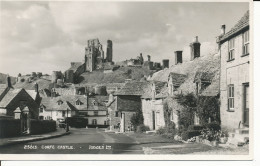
29 138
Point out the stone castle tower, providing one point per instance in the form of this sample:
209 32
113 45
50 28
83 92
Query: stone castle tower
94 55
109 51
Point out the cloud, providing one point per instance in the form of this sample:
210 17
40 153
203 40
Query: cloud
46 36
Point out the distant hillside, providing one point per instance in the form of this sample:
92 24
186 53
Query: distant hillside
3 79
29 85
118 76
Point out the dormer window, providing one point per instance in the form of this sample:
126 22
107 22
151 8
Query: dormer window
200 86
78 102
94 102
60 102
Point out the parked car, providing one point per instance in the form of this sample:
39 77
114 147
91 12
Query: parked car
61 123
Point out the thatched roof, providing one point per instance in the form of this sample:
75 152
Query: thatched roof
198 67
177 79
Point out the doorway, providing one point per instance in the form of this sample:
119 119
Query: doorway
153 119
246 104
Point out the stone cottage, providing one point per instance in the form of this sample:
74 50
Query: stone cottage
152 104
125 103
197 76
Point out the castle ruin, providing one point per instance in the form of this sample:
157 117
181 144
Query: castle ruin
94 55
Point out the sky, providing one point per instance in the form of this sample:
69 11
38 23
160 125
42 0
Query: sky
47 35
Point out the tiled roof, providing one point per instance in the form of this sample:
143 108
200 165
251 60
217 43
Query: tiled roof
132 88
177 79
242 24
159 88
9 97
2 88
69 102
128 103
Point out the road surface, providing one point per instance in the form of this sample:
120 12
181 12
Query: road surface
80 141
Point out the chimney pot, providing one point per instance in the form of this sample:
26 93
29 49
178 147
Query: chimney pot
8 81
223 29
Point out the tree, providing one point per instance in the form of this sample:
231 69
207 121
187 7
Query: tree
137 119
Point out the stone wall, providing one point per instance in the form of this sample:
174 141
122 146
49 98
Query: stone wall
148 107
233 72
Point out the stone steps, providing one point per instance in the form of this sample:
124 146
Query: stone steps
239 137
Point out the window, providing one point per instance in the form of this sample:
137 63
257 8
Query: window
116 114
63 113
95 113
94 122
78 102
246 43
231 49
40 117
231 97
60 102
41 109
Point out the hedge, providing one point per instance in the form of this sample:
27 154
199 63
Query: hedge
44 126
10 127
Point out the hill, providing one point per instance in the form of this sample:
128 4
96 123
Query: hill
3 78
29 85
118 76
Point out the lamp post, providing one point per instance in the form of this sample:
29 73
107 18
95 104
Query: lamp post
67 124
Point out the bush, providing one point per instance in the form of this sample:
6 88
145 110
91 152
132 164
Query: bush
170 128
161 131
196 127
142 128
213 126
189 134
168 131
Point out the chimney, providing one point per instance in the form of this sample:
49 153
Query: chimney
178 57
36 87
165 63
141 58
195 48
223 29
86 96
149 58
8 81
153 91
